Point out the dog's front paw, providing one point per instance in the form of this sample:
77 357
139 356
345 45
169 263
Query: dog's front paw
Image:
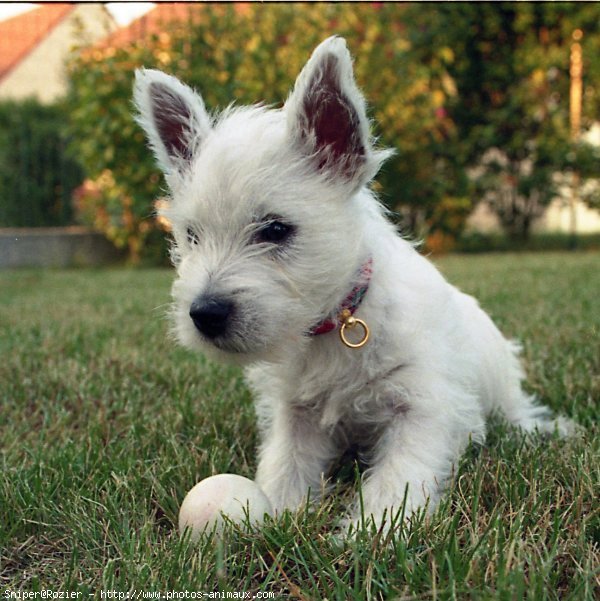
286 496
383 529
377 516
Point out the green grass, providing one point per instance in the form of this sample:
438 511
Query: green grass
105 424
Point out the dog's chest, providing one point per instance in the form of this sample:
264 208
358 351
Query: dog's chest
350 396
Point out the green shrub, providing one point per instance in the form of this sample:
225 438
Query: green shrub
249 53
37 176
477 242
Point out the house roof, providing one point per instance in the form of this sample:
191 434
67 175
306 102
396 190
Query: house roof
21 34
153 22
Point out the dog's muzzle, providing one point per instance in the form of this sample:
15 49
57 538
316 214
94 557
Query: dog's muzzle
211 315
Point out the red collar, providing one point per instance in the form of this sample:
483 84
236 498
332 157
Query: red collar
350 303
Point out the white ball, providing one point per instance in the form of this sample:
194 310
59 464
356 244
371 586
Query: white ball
235 496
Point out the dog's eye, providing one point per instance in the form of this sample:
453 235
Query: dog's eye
192 236
274 231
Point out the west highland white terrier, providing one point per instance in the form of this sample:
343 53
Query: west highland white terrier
287 264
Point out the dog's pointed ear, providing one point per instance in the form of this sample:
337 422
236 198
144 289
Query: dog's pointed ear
173 117
326 115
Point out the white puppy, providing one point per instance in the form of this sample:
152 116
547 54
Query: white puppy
286 263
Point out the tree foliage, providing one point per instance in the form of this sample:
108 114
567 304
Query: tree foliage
510 66
473 97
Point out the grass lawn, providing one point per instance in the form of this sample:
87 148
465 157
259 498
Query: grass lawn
105 424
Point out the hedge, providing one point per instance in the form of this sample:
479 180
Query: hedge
37 175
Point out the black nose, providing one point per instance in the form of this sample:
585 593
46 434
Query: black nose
211 315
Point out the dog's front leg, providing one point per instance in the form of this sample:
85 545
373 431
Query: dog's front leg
410 463
294 456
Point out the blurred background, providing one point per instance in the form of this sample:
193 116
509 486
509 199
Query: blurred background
493 108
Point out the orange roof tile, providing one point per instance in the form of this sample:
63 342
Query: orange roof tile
151 23
154 21
21 34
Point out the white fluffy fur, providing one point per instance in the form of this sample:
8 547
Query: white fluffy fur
435 367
